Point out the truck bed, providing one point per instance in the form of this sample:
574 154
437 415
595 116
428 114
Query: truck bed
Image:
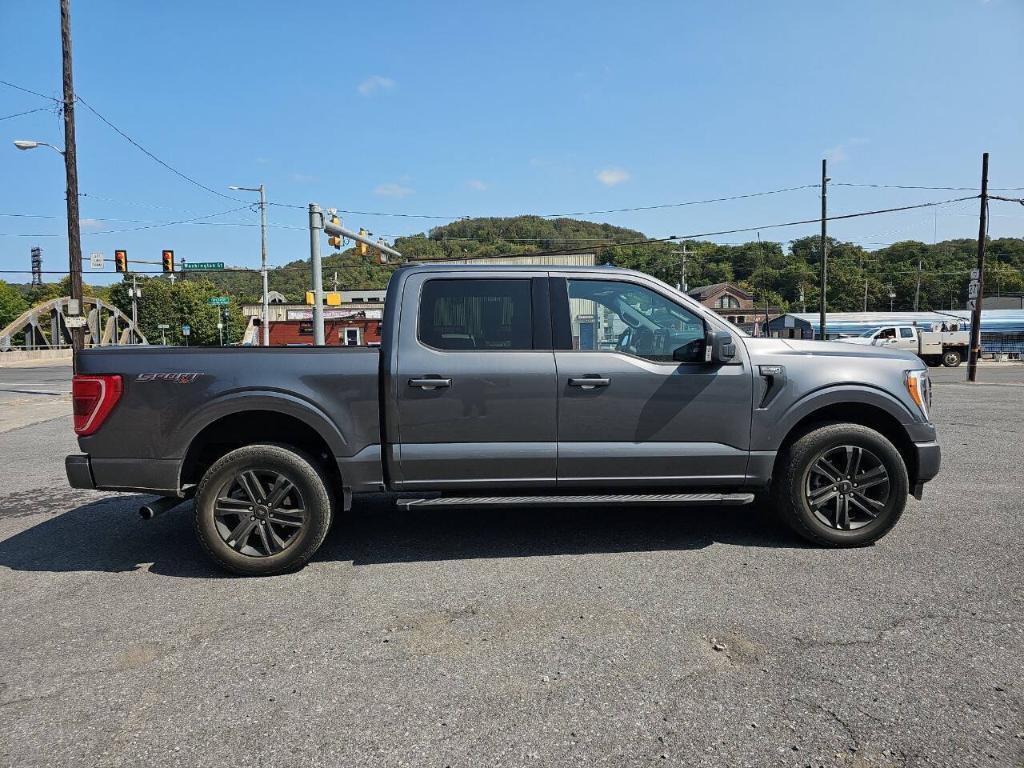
171 393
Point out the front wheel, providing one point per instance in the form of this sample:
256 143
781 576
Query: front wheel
841 485
262 509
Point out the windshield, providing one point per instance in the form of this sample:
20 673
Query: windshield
868 333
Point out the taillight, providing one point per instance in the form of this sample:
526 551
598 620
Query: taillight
93 398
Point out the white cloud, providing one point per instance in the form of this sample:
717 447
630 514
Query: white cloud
91 223
374 83
610 177
391 189
301 178
840 152
476 184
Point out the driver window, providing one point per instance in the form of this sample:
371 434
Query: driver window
887 333
613 316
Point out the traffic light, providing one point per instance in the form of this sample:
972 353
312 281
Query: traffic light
168 260
382 257
121 261
335 240
362 249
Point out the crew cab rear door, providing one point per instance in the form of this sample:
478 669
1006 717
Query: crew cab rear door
474 382
629 414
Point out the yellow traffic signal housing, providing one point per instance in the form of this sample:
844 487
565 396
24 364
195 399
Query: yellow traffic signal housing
309 298
332 298
335 240
168 261
121 261
362 248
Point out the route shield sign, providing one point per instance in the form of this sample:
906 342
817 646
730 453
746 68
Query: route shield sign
186 329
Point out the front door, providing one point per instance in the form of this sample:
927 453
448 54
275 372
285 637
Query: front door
475 382
629 412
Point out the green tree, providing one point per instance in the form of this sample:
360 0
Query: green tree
12 303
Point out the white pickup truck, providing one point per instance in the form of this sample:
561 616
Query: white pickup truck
935 346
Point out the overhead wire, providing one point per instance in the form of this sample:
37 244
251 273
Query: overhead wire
149 154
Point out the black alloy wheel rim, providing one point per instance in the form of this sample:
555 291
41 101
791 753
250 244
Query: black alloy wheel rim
847 487
259 512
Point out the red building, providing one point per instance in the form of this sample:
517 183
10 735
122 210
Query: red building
338 332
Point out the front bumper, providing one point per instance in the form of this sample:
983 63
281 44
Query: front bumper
79 471
928 460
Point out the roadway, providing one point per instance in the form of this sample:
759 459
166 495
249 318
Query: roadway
536 637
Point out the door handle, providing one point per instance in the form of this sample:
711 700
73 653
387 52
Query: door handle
428 383
589 382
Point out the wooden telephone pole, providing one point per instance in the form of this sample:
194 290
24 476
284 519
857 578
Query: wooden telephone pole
71 171
823 288
977 294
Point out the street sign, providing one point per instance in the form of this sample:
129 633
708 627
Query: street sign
972 289
186 329
975 274
201 266
219 301
163 327
75 321
220 326
96 261
971 304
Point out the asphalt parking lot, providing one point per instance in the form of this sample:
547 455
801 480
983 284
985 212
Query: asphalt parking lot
543 637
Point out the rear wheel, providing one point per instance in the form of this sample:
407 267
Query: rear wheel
841 485
262 509
951 358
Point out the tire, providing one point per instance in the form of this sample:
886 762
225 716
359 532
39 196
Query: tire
276 538
951 358
799 481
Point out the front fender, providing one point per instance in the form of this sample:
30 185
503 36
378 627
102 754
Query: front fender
769 427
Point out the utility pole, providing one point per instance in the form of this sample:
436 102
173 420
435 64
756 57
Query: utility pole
133 294
975 349
263 267
803 301
682 268
71 171
316 223
822 299
892 297
865 294
917 290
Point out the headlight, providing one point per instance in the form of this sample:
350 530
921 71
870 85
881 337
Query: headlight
919 387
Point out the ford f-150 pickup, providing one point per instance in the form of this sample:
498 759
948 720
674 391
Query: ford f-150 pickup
508 386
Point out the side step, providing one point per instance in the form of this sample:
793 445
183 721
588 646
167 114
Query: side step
588 500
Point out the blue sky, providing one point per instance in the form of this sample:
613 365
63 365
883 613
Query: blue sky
498 109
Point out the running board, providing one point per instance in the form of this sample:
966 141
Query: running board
589 500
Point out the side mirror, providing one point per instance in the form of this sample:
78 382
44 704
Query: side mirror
719 347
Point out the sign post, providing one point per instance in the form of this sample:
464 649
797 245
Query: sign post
163 338
186 331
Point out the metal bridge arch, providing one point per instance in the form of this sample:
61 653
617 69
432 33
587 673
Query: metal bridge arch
105 325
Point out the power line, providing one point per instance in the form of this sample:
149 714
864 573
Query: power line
169 223
918 186
29 90
29 112
562 215
678 205
149 154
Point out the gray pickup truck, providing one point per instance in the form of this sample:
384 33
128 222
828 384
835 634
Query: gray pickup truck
498 386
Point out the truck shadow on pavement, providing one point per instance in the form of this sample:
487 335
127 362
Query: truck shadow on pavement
107 535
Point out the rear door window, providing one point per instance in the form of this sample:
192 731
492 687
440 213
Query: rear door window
907 333
476 314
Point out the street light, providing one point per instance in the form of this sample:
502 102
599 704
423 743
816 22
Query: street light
263 248
28 144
